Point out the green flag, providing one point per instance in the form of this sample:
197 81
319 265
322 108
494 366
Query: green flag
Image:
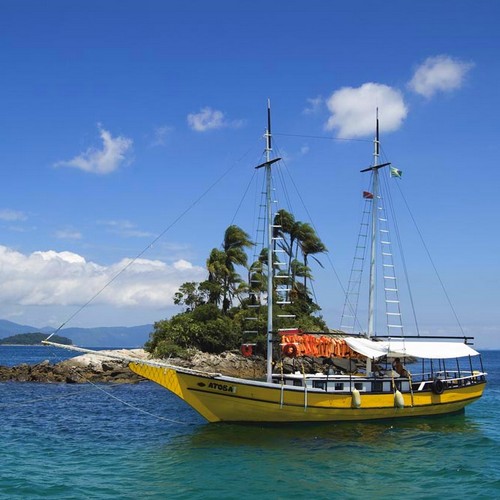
396 173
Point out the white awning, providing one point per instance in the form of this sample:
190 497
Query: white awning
366 347
431 350
416 349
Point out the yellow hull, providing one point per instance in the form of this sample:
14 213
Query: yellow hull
226 399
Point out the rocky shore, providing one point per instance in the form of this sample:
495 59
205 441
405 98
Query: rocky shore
97 368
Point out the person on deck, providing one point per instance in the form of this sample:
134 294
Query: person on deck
399 368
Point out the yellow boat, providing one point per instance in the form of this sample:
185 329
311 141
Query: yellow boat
340 394
323 397
442 376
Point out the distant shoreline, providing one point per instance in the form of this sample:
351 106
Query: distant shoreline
22 345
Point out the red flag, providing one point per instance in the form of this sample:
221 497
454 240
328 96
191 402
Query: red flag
367 195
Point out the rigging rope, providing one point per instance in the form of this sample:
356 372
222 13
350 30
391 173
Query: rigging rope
157 238
309 215
432 262
401 252
136 407
323 137
243 197
94 387
430 259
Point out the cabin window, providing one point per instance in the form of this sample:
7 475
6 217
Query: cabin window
377 386
319 384
297 383
339 386
358 386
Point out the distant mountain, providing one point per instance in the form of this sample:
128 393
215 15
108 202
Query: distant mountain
106 336
8 328
109 336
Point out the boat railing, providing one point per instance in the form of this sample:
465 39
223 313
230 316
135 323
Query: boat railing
452 378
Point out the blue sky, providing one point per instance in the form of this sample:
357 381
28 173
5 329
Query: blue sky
117 115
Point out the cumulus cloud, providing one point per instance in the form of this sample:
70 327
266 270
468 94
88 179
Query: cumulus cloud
206 119
53 278
210 119
439 74
12 215
113 153
353 109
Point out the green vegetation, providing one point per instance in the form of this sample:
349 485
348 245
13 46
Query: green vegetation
33 339
218 311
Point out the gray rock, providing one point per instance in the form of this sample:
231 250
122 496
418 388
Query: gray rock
94 368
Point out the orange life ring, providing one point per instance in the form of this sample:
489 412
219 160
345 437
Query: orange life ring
246 350
290 350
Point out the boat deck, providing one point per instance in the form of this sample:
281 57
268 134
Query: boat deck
337 383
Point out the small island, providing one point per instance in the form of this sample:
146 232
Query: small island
33 339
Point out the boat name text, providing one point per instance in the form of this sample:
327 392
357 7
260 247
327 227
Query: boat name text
222 387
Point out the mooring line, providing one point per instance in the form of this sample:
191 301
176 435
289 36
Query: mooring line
135 407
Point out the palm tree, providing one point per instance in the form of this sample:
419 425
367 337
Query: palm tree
289 229
217 270
234 244
257 278
310 244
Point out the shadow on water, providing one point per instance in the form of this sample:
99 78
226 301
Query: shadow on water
275 435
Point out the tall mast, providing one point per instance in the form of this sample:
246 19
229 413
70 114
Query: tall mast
270 268
376 205
373 249
269 216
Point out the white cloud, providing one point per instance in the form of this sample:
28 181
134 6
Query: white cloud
210 119
53 278
102 161
313 105
439 73
12 215
183 265
69 257
206 119
353 109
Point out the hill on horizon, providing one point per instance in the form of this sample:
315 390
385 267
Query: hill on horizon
105 336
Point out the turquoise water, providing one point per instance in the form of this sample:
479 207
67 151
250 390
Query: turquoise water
76 442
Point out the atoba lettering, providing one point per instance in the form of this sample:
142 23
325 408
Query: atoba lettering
222 387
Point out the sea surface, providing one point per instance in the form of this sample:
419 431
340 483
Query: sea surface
139 441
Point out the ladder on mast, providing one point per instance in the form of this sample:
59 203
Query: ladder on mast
349 317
